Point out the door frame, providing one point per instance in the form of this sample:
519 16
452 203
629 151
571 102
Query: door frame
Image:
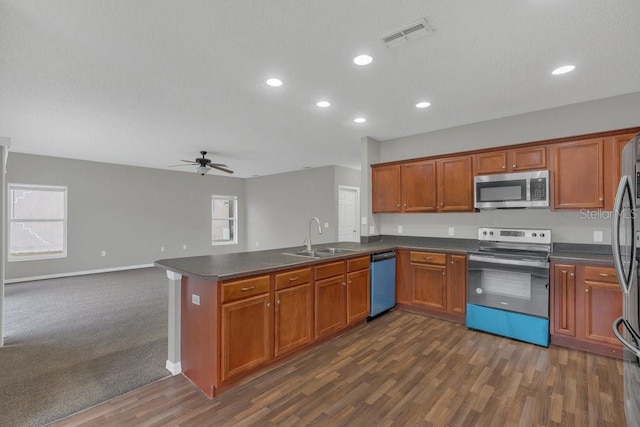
355 190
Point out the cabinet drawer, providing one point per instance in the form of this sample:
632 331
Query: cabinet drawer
428 258
293 278
329 270
245 288
358 264
600 274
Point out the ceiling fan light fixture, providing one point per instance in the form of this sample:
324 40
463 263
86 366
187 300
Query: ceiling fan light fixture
202 170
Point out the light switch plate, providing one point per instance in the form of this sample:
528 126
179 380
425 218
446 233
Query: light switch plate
597 236
372 229
452 231
364 220
195 299
399 229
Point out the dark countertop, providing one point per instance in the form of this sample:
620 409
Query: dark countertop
229 266
582 254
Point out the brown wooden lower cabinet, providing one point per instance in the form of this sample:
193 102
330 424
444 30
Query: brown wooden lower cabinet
293 318
585 300
232 331
432 283
246 335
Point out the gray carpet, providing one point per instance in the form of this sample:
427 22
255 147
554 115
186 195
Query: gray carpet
72 343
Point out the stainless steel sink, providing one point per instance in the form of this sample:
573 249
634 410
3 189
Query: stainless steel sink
319 253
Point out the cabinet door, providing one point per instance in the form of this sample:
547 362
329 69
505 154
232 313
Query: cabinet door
429 286
488 163
522 159
404 277
418 182
455 184
564 299
385 186
602 304
330 306
457 283
578 174
293 318
246 335
358 295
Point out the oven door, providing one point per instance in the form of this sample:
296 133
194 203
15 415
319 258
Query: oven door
518 285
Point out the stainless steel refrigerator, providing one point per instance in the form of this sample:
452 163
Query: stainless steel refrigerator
625 235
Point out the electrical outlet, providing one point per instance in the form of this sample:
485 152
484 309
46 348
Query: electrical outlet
372 230
184 247
399 229
257 243
195 299
364 220
451 231
161 248
103 253
597 236
326 225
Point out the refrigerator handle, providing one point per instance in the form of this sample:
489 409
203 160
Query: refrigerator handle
634 335
615 236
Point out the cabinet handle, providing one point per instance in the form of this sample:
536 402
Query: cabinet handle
293 279
514 166
398 205
405 205
452 262
441 203
248 288
604 275
571 274
349 281
268 304
601 199
587 290
504 166
344 284
444 272
428 258
278 302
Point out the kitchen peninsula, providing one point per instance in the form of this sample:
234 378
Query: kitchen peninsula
233 317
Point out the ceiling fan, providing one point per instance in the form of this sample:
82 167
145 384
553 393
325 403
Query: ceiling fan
204 165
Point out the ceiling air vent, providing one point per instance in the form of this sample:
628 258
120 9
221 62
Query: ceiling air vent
412 31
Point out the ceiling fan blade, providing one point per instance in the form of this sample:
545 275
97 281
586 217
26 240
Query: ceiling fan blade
175 166
218 164
221 168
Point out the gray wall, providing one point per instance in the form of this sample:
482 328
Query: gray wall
280 206
588 117
130 212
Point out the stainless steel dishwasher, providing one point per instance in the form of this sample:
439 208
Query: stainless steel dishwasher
383 282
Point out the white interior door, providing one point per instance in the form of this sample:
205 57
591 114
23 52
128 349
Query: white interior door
348 214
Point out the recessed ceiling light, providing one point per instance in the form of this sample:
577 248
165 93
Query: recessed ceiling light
423 104
363 59
323 104
274 82
359 120
563 70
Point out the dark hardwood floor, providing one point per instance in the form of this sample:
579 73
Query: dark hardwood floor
401 369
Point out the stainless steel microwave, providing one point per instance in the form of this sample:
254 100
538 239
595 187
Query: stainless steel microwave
512 190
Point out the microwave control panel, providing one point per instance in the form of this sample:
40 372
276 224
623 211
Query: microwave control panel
538 189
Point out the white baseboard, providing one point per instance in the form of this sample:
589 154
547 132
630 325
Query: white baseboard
77 273
174 368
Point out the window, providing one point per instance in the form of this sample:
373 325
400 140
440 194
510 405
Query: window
37 222
224 220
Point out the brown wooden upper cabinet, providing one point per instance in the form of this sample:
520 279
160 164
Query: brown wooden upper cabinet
385 183
515 160
441 185
578 174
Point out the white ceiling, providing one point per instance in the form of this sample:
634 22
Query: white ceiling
149 82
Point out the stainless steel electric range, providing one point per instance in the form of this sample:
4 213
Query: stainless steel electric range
508 284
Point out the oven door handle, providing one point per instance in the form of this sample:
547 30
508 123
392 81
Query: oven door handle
634 335
505 261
